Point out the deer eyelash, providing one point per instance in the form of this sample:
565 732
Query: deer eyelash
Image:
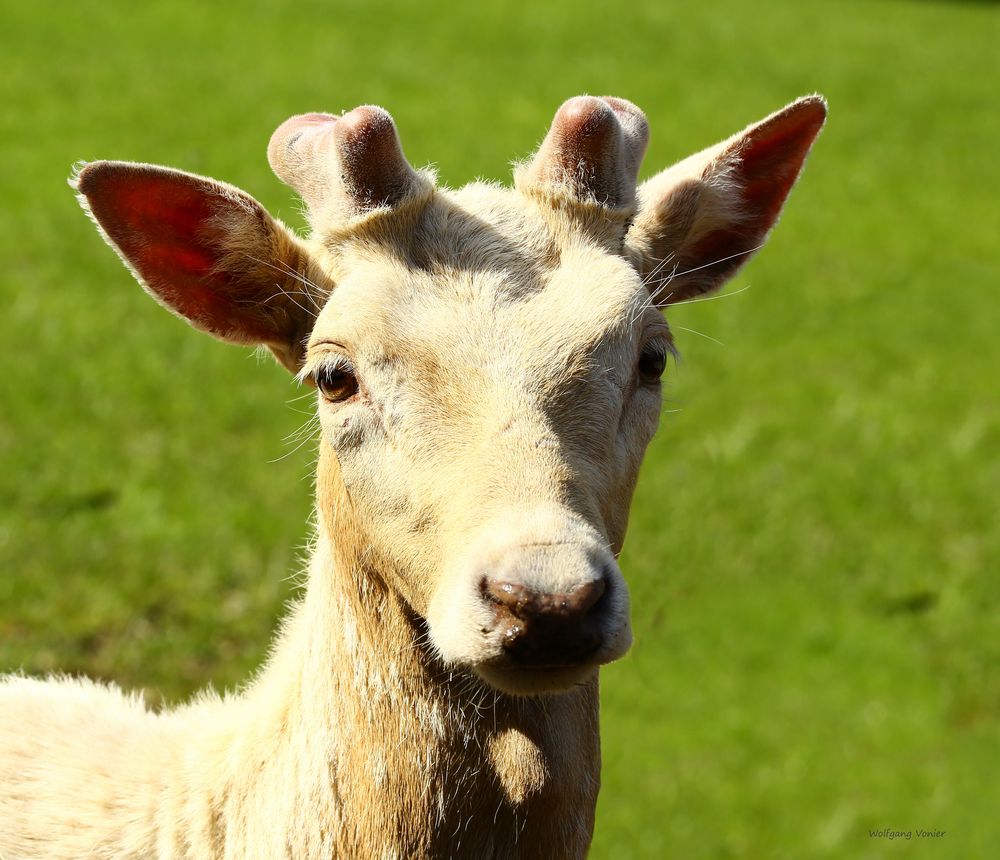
330 362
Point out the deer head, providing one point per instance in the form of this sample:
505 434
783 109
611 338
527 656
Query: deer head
487 360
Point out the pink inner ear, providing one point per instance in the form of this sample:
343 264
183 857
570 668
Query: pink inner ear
717 256
163 223
771 157
766 160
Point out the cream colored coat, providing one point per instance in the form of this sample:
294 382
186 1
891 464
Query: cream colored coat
488 364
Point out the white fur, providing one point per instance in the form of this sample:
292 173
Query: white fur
497 430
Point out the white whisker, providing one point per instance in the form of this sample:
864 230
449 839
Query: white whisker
699 333
712 298
676 273
285 269
290 298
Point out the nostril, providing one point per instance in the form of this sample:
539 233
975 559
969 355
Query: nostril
584 597
544 629
525 603
511 596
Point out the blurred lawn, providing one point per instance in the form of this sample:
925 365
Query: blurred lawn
814 553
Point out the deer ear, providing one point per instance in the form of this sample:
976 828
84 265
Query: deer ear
208 252
703 218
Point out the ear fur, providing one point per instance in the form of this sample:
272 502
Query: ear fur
703 218
206 251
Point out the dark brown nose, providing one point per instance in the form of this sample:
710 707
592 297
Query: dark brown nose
547 630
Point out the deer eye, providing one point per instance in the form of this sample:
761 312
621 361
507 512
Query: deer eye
652 363
336 380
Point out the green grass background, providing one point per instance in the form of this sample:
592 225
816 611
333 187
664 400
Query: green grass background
814 547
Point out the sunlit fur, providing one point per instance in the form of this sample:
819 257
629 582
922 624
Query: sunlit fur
499 425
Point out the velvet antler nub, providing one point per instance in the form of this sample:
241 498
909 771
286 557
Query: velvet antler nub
346 166
592 151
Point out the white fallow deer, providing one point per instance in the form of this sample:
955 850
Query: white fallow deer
487 364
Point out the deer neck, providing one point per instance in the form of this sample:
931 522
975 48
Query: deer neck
443 764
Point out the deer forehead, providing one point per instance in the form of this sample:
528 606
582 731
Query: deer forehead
483 278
